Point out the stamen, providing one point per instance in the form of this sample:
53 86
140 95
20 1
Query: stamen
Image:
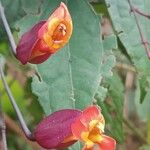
59 33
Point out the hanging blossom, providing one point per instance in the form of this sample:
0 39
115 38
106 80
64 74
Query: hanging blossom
89 128
46 37
64 127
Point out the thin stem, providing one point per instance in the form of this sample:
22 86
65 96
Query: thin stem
19 115
144 41
7 28
141 13
3 128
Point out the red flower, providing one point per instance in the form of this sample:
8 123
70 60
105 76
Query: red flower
55 130
64 127
46 37
89 128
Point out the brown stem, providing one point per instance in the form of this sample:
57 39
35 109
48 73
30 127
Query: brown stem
3 129
141 13
143 39
7 28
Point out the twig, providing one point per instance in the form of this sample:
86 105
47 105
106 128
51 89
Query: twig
19 115
7 28
3 129
143 40
141 13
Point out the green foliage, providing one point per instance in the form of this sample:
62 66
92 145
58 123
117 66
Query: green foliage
18 93
81 72
28 6
108 60
112 108
3 47
126 29
76 146
13 10
123 22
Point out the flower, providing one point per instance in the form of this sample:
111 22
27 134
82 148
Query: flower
46 37
89 128
54 131
65 127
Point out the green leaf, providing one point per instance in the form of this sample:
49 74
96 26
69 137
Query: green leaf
18 93
55 91
112 108
126 27
13 10
75 146
108 62
101 93
110 43
100 7
71 77
28 6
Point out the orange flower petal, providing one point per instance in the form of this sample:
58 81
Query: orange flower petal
82 123
91 113
58 28
77 128
107 143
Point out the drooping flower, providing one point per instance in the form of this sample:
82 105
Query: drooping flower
46 37
64 127
55 130
89 128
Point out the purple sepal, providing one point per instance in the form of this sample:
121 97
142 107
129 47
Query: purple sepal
27 41
51 131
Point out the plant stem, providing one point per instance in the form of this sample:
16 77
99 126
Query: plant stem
7 28
13 102
141 13
143 40
3 128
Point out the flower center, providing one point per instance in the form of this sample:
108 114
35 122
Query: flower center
59 33
93 135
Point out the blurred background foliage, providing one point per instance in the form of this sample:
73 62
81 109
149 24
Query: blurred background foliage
118 78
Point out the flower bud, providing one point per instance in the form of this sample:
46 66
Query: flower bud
55 130
46 37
